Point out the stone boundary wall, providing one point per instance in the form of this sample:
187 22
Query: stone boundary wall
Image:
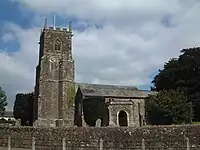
112 138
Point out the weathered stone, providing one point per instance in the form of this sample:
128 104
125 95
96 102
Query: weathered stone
59 101
18 123
54 78
131 101
98 123
117 138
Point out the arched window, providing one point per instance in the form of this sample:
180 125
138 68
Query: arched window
123 118
57 45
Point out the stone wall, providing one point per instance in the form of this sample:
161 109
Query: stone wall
163 137
54 74
132 107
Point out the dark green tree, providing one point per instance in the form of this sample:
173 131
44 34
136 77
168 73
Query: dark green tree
23 108
3 101
182 72
169 107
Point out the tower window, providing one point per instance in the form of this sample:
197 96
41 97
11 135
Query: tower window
57 46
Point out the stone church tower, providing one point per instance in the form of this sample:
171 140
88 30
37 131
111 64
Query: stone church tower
54 78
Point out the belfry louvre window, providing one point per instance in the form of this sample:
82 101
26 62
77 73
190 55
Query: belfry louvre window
57 46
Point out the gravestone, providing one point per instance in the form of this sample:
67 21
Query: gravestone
18 123
98 123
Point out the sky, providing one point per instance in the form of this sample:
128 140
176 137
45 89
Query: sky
121 42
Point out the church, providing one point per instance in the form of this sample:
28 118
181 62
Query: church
60 102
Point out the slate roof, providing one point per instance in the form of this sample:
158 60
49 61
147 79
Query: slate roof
100 90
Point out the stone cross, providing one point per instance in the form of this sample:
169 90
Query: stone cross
98 123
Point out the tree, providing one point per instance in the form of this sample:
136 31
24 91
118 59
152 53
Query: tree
182 72
3 101
169 107
23 108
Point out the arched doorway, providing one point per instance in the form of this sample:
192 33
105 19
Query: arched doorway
123 118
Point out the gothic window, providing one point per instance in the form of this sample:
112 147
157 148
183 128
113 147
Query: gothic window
57 45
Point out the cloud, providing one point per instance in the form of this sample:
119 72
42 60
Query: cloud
115 11
8 37
123 42
17 68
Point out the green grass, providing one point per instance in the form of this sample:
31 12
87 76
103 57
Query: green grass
195 122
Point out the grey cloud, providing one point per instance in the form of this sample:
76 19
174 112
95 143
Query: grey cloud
17 69
131 44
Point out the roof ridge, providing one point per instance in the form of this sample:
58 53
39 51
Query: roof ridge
108 85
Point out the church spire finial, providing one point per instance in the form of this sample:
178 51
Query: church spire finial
54 21
70 26
45 22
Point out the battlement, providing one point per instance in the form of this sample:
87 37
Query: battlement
56 29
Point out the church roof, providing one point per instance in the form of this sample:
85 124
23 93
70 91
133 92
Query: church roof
100 90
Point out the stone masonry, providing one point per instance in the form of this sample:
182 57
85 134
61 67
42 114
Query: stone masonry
117 100
54 78
117 105
180 137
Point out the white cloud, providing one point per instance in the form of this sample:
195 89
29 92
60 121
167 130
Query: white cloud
131 43
106 9
17 69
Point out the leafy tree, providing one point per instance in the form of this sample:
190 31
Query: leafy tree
3 101
169 107
184 73
23 108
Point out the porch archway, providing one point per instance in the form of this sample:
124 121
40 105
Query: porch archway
123 118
